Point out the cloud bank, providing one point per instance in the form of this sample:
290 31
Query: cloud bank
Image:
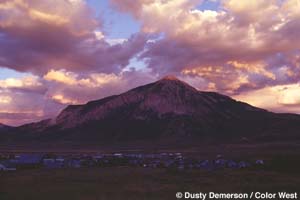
246 49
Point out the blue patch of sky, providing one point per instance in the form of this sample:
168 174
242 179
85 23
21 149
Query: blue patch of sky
135 64
115 24
209 5
9 73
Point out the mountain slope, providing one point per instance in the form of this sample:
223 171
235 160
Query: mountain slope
5 132
167 96
166 109
4 127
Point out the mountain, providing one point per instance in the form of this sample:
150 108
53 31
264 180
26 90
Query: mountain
166 109
4 131
4 127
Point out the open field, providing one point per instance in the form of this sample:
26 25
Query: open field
137 183
280 173
191 147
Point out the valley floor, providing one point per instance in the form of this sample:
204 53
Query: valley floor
138 183
280 173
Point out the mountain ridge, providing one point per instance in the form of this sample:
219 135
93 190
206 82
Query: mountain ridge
4 126
168 108
168 95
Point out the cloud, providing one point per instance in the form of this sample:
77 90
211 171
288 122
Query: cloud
4 99
246 49
63 100
280 98
79 89
237 45
31 98
25 105
27 83
61 77
290 95
36 36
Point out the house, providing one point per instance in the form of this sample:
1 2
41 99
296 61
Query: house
97 158
204 164
7 166
259 162
243 164
168 163
118 155
232 164
220 162
178 155
59 159
53 163
29 159
74 163
48 160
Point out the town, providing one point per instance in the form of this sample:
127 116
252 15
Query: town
176 161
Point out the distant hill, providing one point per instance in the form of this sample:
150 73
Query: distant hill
167 109
3 126
4 129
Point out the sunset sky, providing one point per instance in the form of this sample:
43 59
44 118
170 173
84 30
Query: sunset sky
59 52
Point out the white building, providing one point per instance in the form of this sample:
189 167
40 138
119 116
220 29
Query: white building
7 167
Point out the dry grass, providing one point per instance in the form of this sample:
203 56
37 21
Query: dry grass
137 183
281 173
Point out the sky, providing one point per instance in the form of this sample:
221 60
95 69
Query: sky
54 53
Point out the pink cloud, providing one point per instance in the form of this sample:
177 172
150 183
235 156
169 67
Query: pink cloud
280 98
241 39
37 36
246 49
29 99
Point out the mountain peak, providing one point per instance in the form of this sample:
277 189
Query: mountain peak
172 82
168 108
170 78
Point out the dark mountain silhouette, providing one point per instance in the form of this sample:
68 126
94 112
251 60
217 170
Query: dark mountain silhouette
166 109
5 131
4 127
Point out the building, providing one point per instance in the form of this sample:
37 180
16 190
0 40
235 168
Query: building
7 166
